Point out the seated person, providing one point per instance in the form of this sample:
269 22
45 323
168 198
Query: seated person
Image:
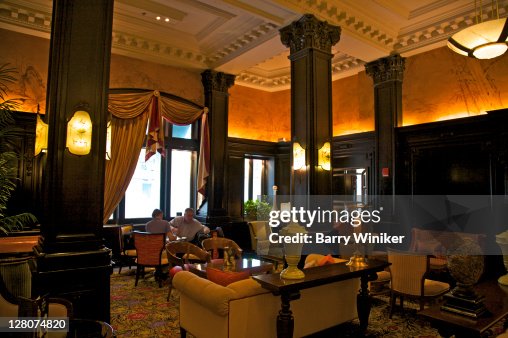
189 227
160 226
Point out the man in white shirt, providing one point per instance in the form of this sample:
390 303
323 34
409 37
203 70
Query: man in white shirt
187 226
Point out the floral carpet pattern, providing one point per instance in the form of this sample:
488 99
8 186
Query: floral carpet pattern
143 311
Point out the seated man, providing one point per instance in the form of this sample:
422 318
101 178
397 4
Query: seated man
160 226
189 227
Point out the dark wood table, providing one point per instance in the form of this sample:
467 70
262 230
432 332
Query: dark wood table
289 290
448 324
17 245
255 266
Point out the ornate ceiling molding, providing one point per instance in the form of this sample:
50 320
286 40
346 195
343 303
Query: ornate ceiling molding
26 15
340 67
135 46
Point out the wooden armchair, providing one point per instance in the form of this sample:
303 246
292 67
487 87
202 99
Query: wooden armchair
127 254
216 243
408 278
149 247
182 253
22 305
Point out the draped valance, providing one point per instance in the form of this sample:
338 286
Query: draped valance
131 112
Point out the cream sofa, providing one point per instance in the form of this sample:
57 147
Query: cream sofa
244 309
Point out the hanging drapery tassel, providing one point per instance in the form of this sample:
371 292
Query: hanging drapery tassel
155 138
204 156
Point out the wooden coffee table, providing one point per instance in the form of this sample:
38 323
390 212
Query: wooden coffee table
255 266
448 324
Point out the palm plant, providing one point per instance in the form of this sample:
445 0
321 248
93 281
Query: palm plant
8 156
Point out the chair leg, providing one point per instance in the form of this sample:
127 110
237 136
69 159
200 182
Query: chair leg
120 270
392 303
170 287
183 333
138 271
422 304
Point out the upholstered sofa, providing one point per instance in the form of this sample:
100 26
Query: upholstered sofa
245 309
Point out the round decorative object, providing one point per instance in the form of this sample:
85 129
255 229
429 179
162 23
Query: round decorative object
466 264
502 241
174 270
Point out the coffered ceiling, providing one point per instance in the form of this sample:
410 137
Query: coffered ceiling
241 37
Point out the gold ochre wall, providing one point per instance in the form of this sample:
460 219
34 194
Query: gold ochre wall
30 56
438 85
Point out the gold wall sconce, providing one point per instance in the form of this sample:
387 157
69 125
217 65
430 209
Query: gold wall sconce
41 136
298 156
79 133
324 156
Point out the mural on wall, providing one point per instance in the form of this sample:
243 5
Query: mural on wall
30 56
31 69
353 105
441 85
126 72
258 115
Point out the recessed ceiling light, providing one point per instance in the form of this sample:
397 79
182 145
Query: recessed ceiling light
167 20
158 18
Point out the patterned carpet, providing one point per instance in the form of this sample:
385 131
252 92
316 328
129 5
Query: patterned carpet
143 312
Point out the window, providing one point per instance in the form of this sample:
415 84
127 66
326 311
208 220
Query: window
167 183
143 193
181 180
254 178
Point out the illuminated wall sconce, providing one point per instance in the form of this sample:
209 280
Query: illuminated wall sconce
324 156
41 136
108 141
298 156
79 133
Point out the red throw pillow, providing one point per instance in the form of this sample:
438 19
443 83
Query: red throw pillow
225 278
328 259
174 270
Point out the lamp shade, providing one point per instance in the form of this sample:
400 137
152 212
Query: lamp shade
41 136
79 133
298 156
324 156
485 40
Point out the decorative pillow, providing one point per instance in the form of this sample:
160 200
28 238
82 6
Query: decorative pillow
225 278
310 264
174 270
429 247
328 259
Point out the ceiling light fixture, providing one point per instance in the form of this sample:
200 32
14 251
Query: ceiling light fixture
167 20
484 40
158 18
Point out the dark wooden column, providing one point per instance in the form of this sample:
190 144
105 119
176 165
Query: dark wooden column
71 260
387 74
216 84
310 42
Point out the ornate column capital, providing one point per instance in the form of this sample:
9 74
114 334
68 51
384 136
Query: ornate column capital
390 68
217 81
309 32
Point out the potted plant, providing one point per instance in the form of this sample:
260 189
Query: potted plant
8 156
257 209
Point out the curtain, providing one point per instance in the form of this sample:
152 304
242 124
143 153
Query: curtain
131 112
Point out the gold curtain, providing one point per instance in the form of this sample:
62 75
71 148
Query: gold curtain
130 117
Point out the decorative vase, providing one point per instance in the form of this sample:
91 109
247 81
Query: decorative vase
465 264
502 241
293 251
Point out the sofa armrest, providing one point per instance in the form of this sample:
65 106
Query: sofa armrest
213 296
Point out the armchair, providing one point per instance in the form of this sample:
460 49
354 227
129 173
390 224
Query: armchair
149 247
408 278
180 253
215 243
